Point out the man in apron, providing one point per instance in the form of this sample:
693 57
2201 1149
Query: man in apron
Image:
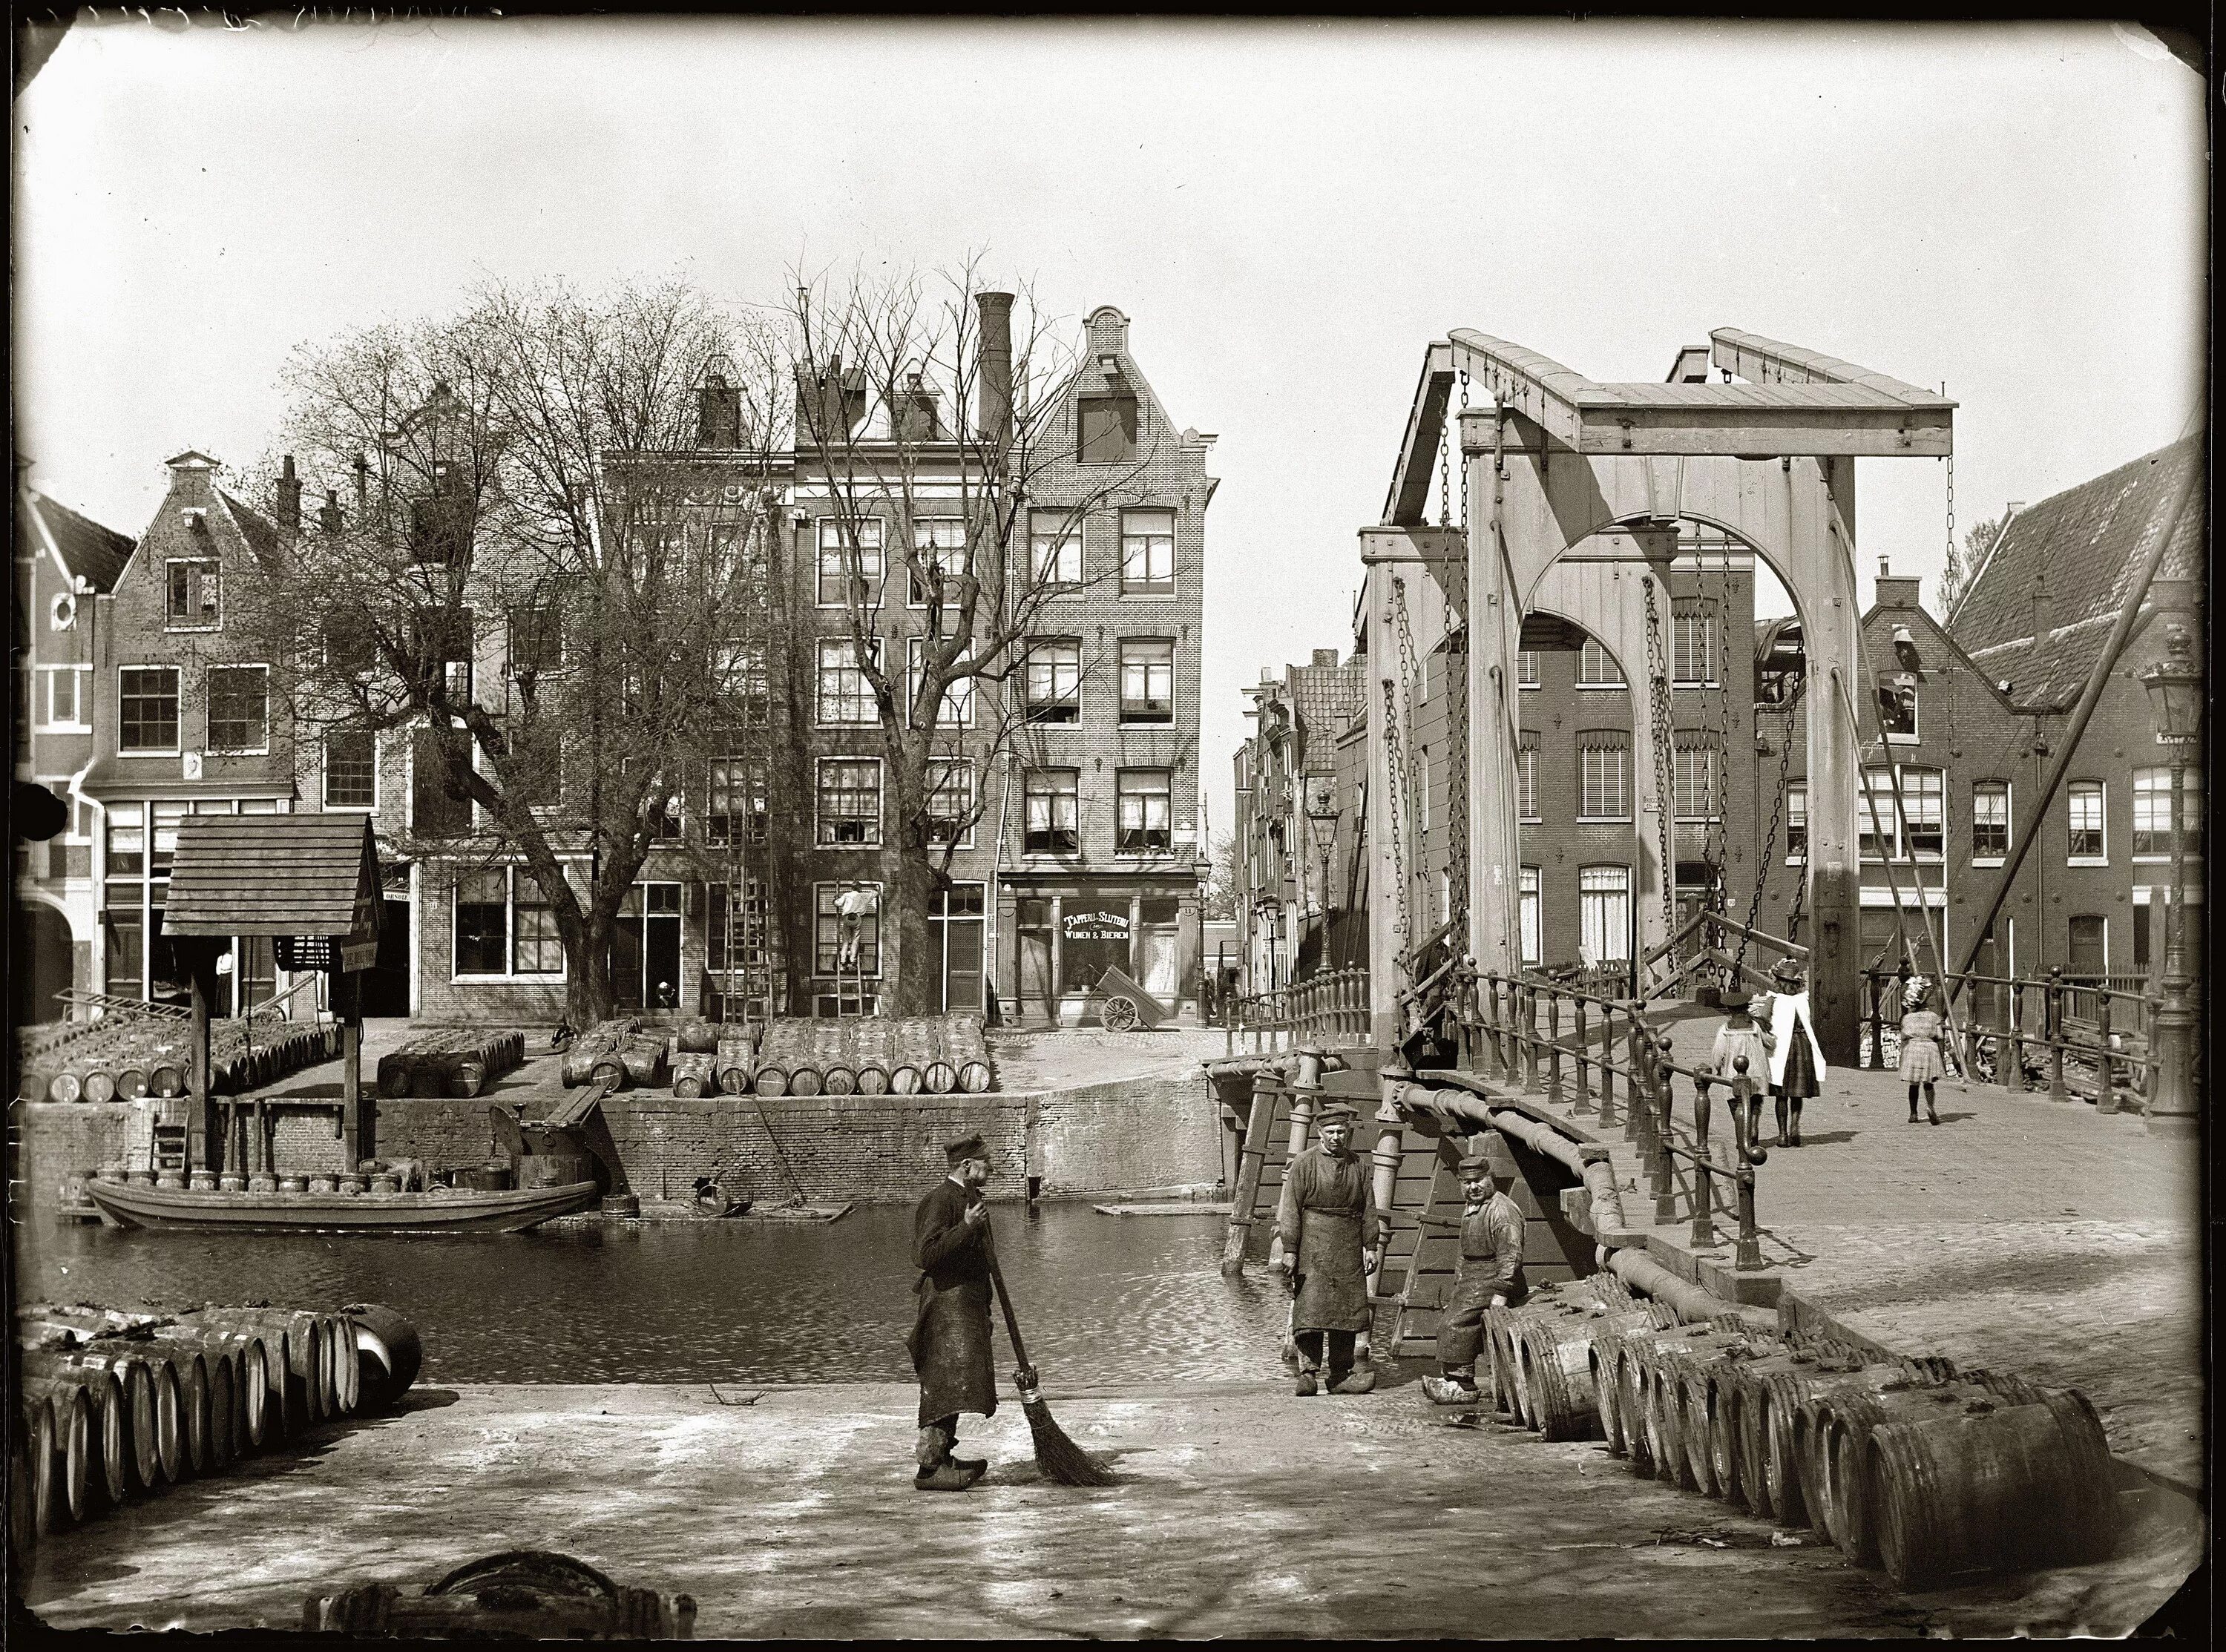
950 1339
1491 1276
1326 1220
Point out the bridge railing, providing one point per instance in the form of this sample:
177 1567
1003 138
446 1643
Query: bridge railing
1327 1010
2068 1035
1524 1029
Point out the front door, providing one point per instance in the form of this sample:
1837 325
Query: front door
646 952
956 921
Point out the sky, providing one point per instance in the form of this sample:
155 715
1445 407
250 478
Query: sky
1288 213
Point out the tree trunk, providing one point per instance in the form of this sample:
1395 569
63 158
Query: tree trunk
917 967
587 994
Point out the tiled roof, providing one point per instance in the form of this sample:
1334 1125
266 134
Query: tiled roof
271 874
2087 543
86 549
1325 696
261 535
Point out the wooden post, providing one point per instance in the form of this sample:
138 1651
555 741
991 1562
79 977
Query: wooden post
1875 991
2106 1084
1528 1015
1304 1089
1391 1129
2054 1001
1250 1158
359 1112
1554 1046
1583 1103
199 958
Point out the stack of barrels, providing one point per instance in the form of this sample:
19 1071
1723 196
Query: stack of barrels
149 1057
598 1055
1903 1462
461 1062
937 1054
116 1405
695 1058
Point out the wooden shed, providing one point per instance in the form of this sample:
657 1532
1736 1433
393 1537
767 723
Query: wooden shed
311 882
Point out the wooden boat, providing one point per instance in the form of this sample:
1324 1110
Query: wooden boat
442 1211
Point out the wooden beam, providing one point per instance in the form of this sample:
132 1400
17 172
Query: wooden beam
1409 502
1766 361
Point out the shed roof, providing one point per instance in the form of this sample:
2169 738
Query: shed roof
272 875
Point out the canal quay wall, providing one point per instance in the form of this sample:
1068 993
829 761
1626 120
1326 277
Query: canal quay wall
1154 1130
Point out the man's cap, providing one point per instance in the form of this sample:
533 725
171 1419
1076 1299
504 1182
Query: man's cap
959 1152
1334 1113
1738 1002
1476 1162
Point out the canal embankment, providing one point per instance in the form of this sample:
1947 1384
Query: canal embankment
1239 1511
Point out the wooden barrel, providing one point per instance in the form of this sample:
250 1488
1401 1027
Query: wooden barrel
329 1383
644 1060
387 1354
841 1081
1827 1459
805 1081
770 1080
940 1077
697 1038
70 1443
38 1437
167 1078
350 1364
974 1077
31 1085
734 1076
467 1074
904 1079
65 1086
395 1075
108 1428
140 1461
131 1083
873 1079
609 1070
693 1075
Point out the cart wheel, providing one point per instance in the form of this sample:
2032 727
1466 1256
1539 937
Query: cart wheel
1119 1015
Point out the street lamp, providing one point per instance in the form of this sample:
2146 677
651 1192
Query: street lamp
2176 691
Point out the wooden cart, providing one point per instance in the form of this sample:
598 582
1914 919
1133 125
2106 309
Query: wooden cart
1127 1005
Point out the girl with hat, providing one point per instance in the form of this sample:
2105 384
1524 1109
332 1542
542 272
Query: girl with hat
1919 1060
1796 1059
1740 1038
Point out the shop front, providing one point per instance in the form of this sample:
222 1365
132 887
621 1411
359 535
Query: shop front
1066 935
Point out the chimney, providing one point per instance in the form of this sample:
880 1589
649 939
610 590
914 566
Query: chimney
289 500
328 513
2013 508
718 408
828 408
2044 610
193 478
362 488
1897 590
917 419
1325 656
993 390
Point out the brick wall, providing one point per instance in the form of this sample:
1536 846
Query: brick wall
1162 1132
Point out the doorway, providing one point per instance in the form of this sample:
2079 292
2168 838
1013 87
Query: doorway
957 924
646 952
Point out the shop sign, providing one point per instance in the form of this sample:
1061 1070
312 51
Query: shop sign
1106 924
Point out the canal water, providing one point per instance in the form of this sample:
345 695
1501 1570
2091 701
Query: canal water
1100 1298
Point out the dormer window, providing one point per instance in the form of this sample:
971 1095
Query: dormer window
196 586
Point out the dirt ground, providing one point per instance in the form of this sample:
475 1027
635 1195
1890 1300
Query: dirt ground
1239 1511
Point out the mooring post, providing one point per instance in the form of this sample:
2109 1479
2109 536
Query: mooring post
1249 1159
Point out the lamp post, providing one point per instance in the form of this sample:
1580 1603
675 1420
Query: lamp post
2175 690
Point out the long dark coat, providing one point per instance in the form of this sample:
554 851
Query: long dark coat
1327 1220
950 1339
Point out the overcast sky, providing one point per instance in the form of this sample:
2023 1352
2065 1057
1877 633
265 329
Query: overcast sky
1288 214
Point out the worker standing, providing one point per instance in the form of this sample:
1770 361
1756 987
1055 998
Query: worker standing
1327 1219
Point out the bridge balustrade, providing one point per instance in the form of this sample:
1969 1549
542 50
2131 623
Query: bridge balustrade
1330 1010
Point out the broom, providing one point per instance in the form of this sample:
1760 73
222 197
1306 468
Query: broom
1063 1462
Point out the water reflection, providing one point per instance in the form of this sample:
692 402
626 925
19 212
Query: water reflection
1100 1298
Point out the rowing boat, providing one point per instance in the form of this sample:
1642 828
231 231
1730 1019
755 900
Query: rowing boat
441 1210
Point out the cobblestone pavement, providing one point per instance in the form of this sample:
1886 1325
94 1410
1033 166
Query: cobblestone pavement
1239 1511
2019 1233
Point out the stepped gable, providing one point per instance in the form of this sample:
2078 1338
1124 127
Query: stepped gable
2081 547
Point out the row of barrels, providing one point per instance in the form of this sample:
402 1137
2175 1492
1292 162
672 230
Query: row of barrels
865 1057
115 1405
457 1062
1903 1463
615 1054
153 1059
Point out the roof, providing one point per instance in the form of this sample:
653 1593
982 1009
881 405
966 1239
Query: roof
273 875
262 535
85 549
1324 696
2086 544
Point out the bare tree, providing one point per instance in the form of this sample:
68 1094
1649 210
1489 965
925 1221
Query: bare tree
926 400
1964 560
583 470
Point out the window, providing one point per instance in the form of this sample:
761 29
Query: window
1596 667
239 709
1534 942
940 542
1693 643
1990 819
1526 770
450 633
735 930
1924 797
2083 801
536 948
536 640
845 696
2089 953
1052 807
66 698
1142 803
667 824
482 919
1147 680
734 802
1425 783
127 841
1148 552
1695 779
826 931
1105 429
194 586
1055 547
435 810
505 924
1526 667
1052 680
2152 811
738 673
838 558
1604 914
737 550
1874 820
1797 821
957 708
951 801
147 709
849 802
1897 706
350 650
1603 774
351 769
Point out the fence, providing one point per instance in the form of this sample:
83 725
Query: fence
1522 1029
1327 1010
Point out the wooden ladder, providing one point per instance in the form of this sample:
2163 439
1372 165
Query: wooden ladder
1431 1265
170 1146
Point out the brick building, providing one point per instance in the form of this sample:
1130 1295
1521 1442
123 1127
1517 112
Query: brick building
1972 713
64 563
1294 895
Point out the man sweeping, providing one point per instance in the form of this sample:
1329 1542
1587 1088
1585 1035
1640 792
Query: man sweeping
951 1335
1327 1219
1491 1276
